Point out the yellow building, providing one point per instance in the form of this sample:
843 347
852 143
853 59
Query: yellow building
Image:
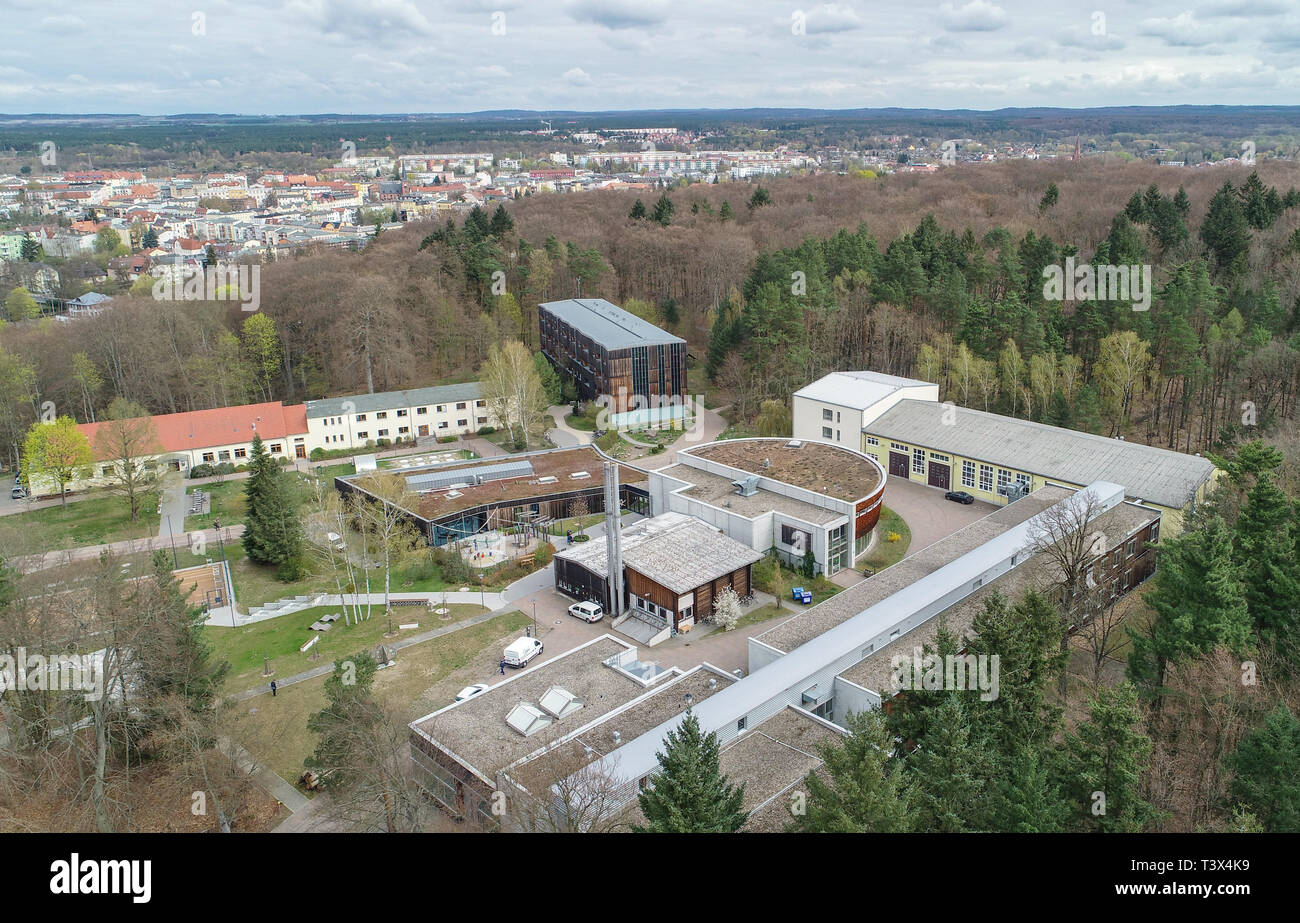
995 458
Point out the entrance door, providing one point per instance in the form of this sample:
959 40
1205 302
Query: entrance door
898 464
300 451
938 475
424 430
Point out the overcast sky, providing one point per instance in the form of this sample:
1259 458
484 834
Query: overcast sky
292 56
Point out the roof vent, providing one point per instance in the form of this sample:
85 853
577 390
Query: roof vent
559 702
527 719
618 737
580 475
713 683
767 463
793 444
547 479
452 494
746 486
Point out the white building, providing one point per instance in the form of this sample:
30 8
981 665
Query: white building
836 407
353 422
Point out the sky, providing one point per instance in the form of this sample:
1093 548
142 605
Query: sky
387 56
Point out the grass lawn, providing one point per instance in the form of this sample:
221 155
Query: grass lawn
585 422
770 611
697 380
886 552
92 521
279 639
275 729
227 504
338 470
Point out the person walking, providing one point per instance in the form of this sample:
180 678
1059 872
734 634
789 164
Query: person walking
272 688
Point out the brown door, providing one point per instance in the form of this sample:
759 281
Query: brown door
300 451
424 430
898 464
938 475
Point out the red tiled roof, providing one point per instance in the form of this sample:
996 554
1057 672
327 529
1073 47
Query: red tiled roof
201 429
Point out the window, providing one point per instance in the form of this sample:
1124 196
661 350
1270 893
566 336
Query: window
106 471
382 415
363 435
837 416
462 422
403 429
382 433
937 457
209 457
441 408
421 411
361 418
837 435
740 725
442 425
899 446
401 413
277 447
223 455
460 406
1116 557
1022 480
918 461
1004 477
1132 546
480 403
826 432
986 478
241 453
482 421
967 474
826 413
872 440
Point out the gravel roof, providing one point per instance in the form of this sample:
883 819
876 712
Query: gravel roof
716 490
677 551
841 607
817 466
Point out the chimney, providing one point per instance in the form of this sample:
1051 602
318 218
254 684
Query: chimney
613 541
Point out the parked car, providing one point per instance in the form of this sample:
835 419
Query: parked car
18 492
520 651
959 496
470 691
588 611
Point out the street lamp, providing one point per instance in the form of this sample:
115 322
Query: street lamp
482 600
534 601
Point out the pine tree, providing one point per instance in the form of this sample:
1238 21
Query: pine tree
663 213
1265 550
272 529
180 661
638 211
949 772
1200 604
689 793
860 788
1225 231
1266 779
725 213
1104 762
1049 199
502 224
349 709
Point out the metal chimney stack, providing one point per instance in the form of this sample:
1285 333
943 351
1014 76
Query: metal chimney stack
613 541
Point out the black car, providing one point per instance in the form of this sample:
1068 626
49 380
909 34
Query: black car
959 496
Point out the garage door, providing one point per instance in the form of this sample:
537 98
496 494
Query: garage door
898 464
938 475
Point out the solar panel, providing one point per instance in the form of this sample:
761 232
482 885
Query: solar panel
435 480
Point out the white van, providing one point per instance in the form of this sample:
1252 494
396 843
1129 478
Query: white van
520 651
587 611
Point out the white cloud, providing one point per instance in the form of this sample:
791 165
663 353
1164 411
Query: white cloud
976 16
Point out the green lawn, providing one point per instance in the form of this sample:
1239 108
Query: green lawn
279 639
585 422
275 729
763 613
341 469
886 552
227 504
92 521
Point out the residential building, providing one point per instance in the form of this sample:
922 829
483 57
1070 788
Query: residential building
361 420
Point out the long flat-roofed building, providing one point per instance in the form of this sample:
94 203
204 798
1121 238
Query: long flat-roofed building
358 420
636 367
985 454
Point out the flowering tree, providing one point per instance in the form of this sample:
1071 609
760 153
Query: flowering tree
726 609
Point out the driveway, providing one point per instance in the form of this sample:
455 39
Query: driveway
927 513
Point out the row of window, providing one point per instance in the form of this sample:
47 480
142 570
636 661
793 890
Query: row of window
224 454
383 414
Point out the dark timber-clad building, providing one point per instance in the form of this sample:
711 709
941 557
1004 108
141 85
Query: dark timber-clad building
611 352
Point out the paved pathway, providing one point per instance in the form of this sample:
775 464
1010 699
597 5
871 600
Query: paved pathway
47 559
279 789
563 434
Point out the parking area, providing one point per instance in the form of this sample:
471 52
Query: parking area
927 513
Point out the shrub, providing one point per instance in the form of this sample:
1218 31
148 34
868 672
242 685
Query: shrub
542 556
486 430
317 454
446 438
893 537
763 572
382 443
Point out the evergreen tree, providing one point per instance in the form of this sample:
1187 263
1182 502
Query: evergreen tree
949 772
725 213
760 198
1200 604
1025 797
863 789
179 660
1265 550
349 709
1182 202
502 224
663 213
1265 777
1049 198
638 211
272 529
689 793
1225 231
1103 764
149 240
